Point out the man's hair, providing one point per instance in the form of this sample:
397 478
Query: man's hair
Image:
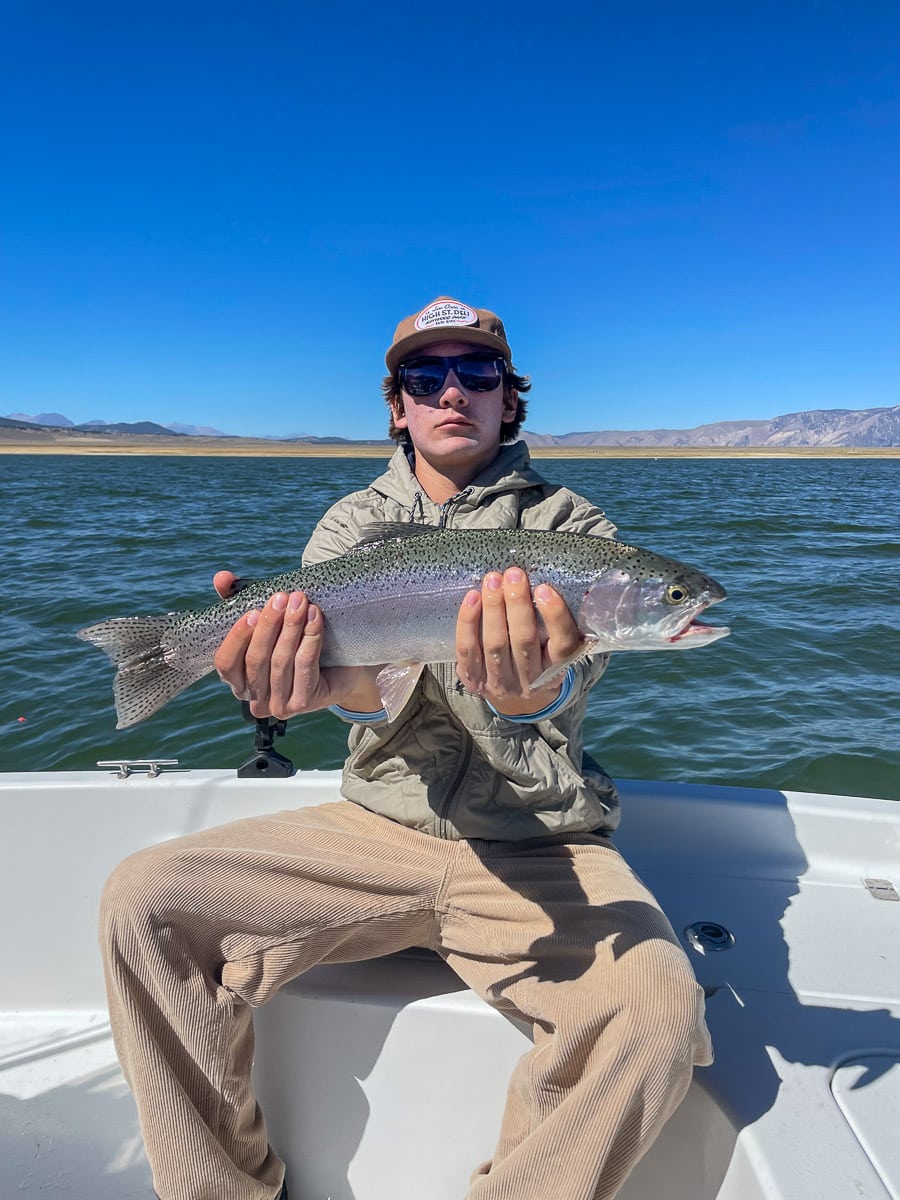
513 384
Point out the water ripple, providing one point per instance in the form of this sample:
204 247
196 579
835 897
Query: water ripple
803 694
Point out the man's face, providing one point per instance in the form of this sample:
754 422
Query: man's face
455 425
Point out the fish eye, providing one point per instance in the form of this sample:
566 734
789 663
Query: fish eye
676 594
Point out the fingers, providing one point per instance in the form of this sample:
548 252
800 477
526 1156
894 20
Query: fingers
270 657
497 639
563 635
502 645
469 659
258 656
226 584
295 675
229 658
510 635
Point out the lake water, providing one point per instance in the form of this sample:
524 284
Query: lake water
803 695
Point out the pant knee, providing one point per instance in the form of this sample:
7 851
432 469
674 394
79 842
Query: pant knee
132 894
666 1016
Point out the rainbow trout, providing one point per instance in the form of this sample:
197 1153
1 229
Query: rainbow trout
394 598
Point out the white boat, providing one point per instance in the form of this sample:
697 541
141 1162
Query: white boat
385 1080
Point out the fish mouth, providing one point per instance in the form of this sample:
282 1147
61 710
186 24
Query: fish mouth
696 633
699 634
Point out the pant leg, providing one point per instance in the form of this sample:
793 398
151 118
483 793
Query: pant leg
197 931
565 936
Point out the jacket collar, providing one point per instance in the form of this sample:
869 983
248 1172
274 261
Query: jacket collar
509 471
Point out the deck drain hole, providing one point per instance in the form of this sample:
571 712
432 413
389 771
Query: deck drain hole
707 936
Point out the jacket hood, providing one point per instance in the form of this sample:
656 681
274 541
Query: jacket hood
509 471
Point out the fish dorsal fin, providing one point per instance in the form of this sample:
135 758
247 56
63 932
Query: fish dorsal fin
385 531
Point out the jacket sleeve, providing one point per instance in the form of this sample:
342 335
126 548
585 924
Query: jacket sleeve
587 518
338 531
565 510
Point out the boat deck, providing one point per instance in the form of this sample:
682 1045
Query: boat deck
386 1079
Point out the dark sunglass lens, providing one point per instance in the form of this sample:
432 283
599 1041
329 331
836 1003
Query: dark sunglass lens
422 378
479 373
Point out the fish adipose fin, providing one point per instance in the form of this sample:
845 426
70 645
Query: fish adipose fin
377 532
396 683
145 680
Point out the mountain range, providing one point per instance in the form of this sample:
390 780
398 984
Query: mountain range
838 427
58 421
816 427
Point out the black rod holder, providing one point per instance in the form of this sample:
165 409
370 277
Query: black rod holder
266 762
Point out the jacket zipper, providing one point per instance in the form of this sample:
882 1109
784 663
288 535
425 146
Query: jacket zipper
456 782
444 512
459 776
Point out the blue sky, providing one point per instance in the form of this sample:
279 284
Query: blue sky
216 213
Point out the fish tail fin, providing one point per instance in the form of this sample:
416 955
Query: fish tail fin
145 678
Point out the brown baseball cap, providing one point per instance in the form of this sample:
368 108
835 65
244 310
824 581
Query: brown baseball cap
446 319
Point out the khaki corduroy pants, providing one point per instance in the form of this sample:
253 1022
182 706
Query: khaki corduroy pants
559 932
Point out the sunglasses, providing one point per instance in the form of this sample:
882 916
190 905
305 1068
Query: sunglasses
425 376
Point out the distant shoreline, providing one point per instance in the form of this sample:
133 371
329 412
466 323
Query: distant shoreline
13 441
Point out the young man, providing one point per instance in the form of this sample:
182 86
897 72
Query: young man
473 823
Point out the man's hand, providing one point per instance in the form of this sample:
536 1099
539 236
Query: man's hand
271 658
498 641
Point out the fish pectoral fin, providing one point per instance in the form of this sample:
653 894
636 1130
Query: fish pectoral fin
559 669
396 683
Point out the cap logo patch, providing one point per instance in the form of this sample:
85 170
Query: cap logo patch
445 312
